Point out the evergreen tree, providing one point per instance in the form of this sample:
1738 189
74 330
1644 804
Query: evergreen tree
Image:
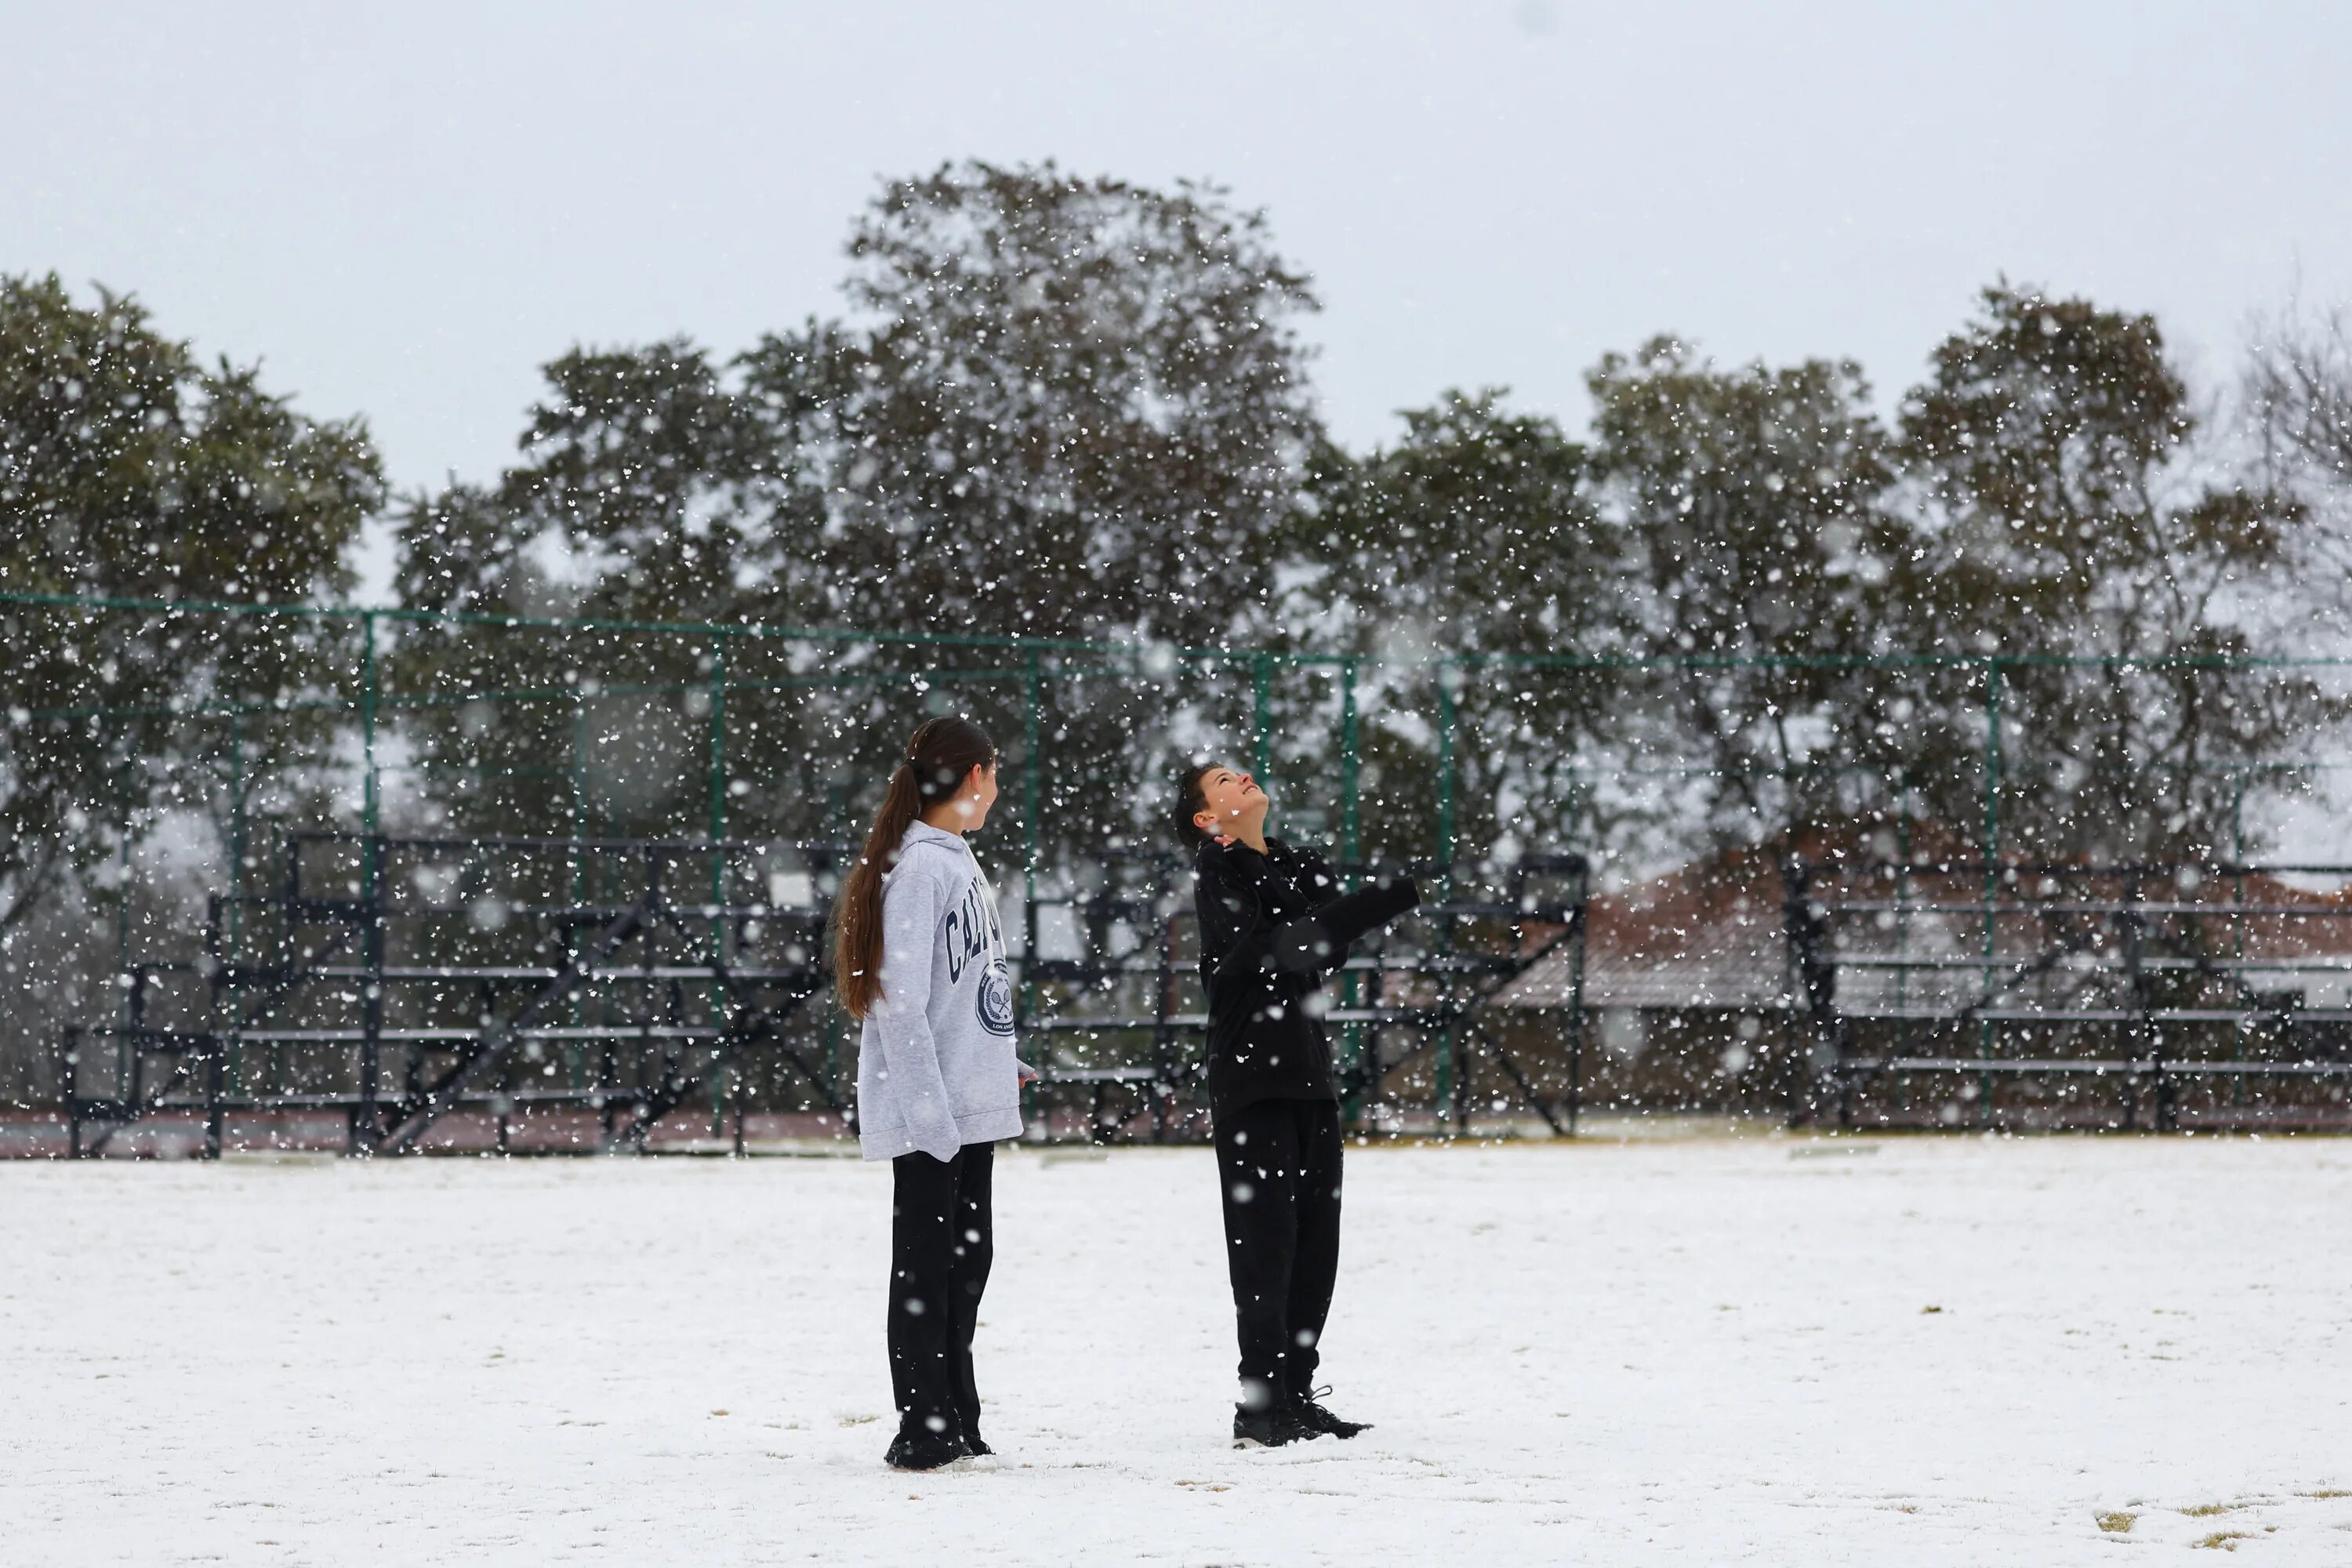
1065 407
630 505
1470 539
2048 452
129 469
1749 506
1076 409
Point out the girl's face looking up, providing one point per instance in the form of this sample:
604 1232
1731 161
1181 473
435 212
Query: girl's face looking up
1232 802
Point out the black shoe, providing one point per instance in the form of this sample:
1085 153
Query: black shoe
1269 1429
923 1451
974 1445
1317 1420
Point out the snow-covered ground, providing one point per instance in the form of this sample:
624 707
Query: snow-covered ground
1703 1349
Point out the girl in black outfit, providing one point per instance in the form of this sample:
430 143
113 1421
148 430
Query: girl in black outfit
1272 924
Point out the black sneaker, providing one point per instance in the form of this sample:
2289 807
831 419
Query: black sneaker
1269 1429
923 1451
973 1445
1317 1421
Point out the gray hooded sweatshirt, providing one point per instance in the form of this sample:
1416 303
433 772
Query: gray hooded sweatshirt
935 1059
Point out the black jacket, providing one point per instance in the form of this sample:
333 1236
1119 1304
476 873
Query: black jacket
1273 926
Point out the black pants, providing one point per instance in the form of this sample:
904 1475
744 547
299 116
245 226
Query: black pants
1279 1162
943 1239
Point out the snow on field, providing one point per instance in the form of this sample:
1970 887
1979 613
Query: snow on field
1713 1350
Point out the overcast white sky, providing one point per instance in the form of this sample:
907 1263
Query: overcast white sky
403 210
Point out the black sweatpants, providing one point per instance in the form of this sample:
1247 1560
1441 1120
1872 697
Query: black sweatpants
943 1239
1279 1162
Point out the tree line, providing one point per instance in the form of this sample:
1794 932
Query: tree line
1069 407
1080 408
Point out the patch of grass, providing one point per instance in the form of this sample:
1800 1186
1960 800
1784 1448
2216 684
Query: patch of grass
2327 1493
2117 1522
2224 1539
2208 1510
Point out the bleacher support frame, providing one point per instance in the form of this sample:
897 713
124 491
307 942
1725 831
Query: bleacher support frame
715 1004
2111 928
348 972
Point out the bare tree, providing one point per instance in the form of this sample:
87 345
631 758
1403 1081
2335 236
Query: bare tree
2299 385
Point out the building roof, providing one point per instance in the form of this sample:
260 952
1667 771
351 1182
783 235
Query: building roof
1714 935
1709 935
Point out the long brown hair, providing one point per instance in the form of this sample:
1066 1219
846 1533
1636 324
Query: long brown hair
940 755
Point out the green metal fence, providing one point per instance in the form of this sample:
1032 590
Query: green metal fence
382 718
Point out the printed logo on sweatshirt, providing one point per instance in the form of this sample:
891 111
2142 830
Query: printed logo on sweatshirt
996 1000
971 931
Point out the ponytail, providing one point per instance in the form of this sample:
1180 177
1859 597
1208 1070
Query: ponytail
939 757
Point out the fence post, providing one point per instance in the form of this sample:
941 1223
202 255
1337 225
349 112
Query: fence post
1582 915
1991 833
1033 683
1032 739
234 956
718 751
719 1079
367 732
121 879
579 866
575 1059
2140 1032
363 1129
1350 824
126 1045
1261 704
1992 876
236 808
2238 920
1448 678
1351 1039
1814 946
1452 1085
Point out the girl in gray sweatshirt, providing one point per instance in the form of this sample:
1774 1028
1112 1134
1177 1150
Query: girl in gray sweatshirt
935 1059
918 960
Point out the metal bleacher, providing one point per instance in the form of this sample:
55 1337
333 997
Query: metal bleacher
2076 995
405 987
394 982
